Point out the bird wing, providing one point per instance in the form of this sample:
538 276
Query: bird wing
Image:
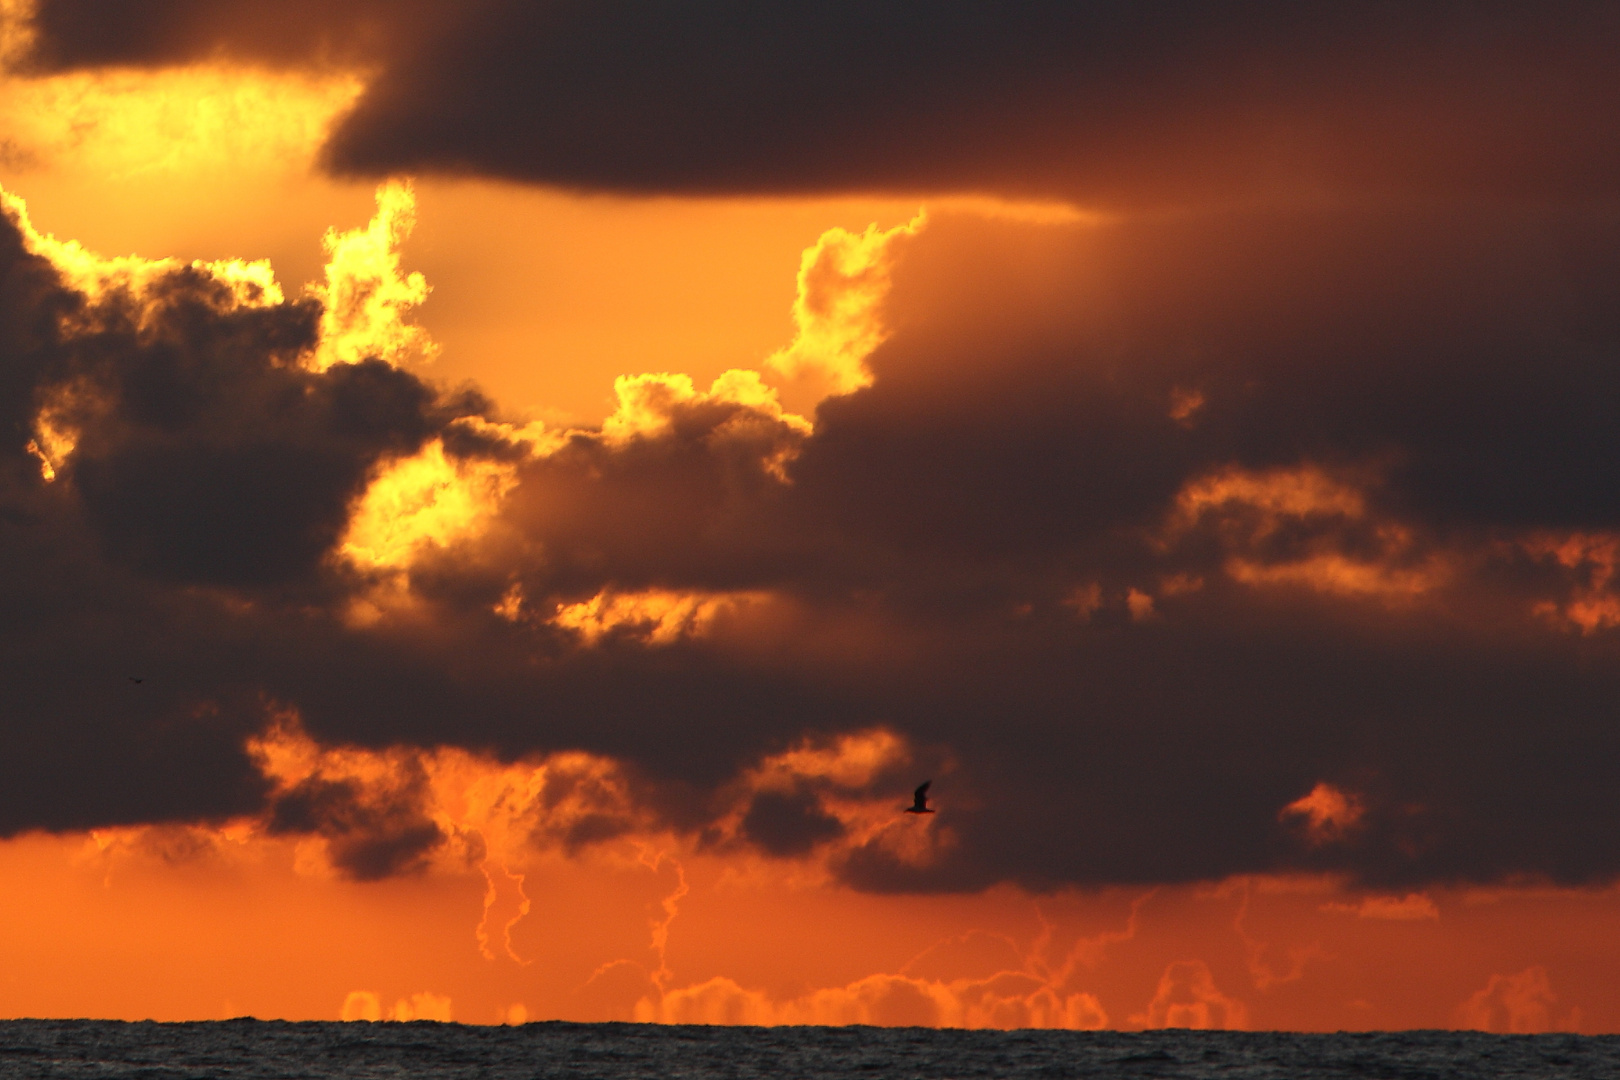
920 796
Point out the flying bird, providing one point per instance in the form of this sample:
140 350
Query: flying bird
137 680
919 800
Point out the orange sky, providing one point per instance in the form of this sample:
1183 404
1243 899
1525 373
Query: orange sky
174 927
542 298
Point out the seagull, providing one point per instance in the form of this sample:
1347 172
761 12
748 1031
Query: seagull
137 681
919 800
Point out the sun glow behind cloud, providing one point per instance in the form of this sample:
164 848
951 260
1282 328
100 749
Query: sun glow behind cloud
365 299
423 502
251 284
208 120
1288 526
843 279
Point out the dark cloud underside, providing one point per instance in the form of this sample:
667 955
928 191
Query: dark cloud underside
787 824
90 33
1118 104
369 838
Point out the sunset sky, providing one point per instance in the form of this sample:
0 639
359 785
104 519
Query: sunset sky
501 502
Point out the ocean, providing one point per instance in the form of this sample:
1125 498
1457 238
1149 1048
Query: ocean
257 1048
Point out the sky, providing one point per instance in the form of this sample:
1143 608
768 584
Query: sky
501 503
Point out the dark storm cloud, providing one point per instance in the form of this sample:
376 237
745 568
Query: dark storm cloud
704 485
84 744
372 832
186 542
91 33
1465 363
1007 504
1142 532
788 823
207 454
206 458
1471 353
1105 102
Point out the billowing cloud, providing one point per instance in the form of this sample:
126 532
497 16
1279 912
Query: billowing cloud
1170 547
1106 104
174 472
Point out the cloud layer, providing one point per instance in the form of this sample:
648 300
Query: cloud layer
1172 549
1120 105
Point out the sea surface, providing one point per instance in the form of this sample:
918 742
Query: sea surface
255 1048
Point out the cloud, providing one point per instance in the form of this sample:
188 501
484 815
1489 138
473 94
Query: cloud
1518 1004
1409 908
425 1005
202 448
1372 562
1327 812
1588 562
653 615
401 809
1151 104
368 838
1187 997
1006 1000
76 34
843 281
206 123
173 474
365 299
788 824
361 1005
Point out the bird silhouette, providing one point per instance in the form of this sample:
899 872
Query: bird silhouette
919 800
137 680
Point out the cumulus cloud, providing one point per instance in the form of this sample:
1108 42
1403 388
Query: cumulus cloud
1347 614
164 440
788 824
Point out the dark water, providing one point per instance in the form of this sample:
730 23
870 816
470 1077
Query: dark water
252 1048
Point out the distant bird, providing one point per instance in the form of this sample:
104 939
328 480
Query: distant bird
919 800
136 680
